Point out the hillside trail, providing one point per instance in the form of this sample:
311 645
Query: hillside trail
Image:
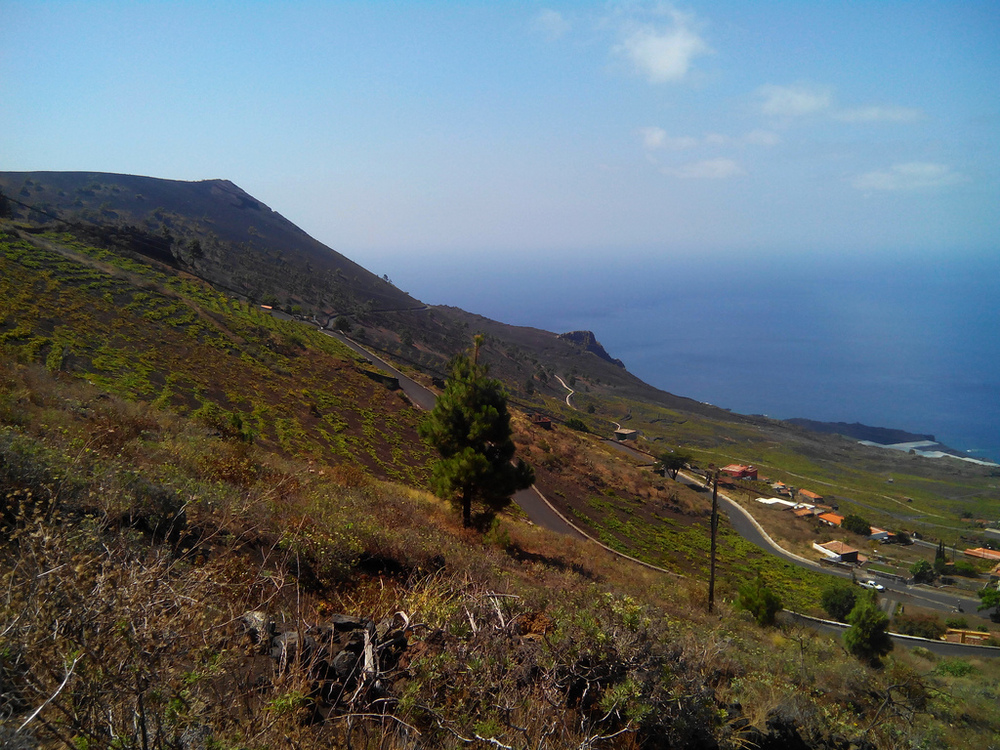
568 395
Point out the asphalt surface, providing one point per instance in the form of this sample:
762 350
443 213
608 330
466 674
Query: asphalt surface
744 525
414 391
541 513
941 648
535 507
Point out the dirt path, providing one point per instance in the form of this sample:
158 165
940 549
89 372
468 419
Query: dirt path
568 395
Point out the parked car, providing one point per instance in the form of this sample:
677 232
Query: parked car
871 585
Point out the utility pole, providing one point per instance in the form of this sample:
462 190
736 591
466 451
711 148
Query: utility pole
715 528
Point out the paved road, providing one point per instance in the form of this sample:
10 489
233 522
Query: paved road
745 525
414 391
568 395
541 513
535 507
941 648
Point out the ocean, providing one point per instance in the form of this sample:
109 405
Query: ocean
907 341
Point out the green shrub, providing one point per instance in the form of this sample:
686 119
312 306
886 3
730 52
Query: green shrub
955 668
964 568
757 599
838 599
868 637
924 626
856 524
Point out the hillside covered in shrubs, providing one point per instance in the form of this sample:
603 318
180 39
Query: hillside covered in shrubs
217 534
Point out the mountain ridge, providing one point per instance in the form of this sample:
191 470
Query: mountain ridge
219 232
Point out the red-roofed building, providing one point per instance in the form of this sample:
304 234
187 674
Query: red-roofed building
831 519
540 420
985 554
808 495
739 471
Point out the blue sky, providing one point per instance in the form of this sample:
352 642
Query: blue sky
408 130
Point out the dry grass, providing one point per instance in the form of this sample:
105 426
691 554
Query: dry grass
134 538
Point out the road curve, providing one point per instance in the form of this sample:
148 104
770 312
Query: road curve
568 395
535 507
541 513
419 395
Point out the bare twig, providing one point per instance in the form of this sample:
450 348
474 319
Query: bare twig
69 673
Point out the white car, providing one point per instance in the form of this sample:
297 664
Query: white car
871 585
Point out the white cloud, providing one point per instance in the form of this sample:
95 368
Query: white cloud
550 23
909 176
879 114
793 101
709 169
654 138
798 101
664 54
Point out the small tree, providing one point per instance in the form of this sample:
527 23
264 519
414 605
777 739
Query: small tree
856 524
757 599
868 637
989 598
470 428
671 462
922 572
940 558
838 599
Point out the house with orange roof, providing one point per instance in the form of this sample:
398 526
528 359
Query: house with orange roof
984 554
879 535
739 471
831 519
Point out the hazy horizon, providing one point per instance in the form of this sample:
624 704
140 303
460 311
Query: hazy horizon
639 129
542 146
910 347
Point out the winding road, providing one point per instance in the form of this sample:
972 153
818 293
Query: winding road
568 395
538 510
542 513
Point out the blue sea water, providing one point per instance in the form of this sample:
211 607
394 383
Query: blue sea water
908 342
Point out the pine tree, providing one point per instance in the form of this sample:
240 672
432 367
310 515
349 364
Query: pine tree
940 558
470 428
757 599
868 637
